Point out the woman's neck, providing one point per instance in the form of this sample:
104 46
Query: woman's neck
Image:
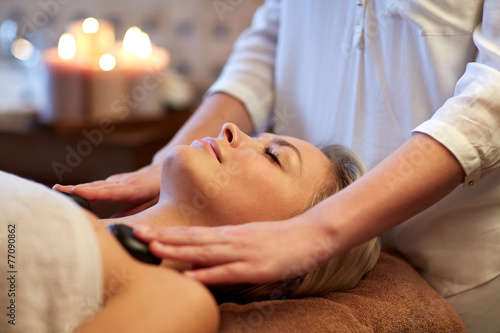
161 214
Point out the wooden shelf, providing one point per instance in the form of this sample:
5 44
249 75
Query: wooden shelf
41 154
74 155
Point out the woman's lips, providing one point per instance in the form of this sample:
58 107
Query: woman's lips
212 146
215 148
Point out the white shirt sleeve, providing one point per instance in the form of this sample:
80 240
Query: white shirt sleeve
249 72
468 123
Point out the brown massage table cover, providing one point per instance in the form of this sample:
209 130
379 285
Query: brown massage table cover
391 298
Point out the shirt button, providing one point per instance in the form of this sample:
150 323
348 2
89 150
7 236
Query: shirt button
359 3
471 183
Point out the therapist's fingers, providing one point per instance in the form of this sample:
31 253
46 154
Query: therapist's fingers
182 235
101 190
205 255
92 192
95 185
104 191
63 188
132 187
111 191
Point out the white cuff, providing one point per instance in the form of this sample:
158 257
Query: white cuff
457 144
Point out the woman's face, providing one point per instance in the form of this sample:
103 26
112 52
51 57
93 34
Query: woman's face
236 179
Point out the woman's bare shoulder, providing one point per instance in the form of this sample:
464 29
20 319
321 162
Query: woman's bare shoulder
155 293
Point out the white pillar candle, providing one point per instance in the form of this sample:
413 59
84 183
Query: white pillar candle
143 64
66 102
105 85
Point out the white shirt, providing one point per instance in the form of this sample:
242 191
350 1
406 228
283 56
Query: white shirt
368 73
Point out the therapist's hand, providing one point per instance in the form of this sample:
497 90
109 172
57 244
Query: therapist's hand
136 187
248 253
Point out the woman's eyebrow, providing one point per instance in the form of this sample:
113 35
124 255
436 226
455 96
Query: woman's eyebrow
284 143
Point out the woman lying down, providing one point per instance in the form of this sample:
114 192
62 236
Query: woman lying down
67 273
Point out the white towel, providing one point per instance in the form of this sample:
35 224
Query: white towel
55 282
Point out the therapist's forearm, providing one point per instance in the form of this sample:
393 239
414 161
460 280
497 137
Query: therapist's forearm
208 119
416 176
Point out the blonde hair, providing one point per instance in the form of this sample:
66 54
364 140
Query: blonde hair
340 273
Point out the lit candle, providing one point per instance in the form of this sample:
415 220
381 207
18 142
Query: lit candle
65 88
143 64
92 77
106 85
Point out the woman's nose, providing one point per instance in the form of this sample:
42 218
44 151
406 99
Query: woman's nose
232 134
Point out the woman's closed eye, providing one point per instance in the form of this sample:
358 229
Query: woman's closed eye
269 151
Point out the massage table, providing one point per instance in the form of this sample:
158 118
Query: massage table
393 297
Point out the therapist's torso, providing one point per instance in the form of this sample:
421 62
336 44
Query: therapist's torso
365 75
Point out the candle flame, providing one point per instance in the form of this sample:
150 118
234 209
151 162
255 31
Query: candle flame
107 62
90 25
144 48
130 39
137 42
67 46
